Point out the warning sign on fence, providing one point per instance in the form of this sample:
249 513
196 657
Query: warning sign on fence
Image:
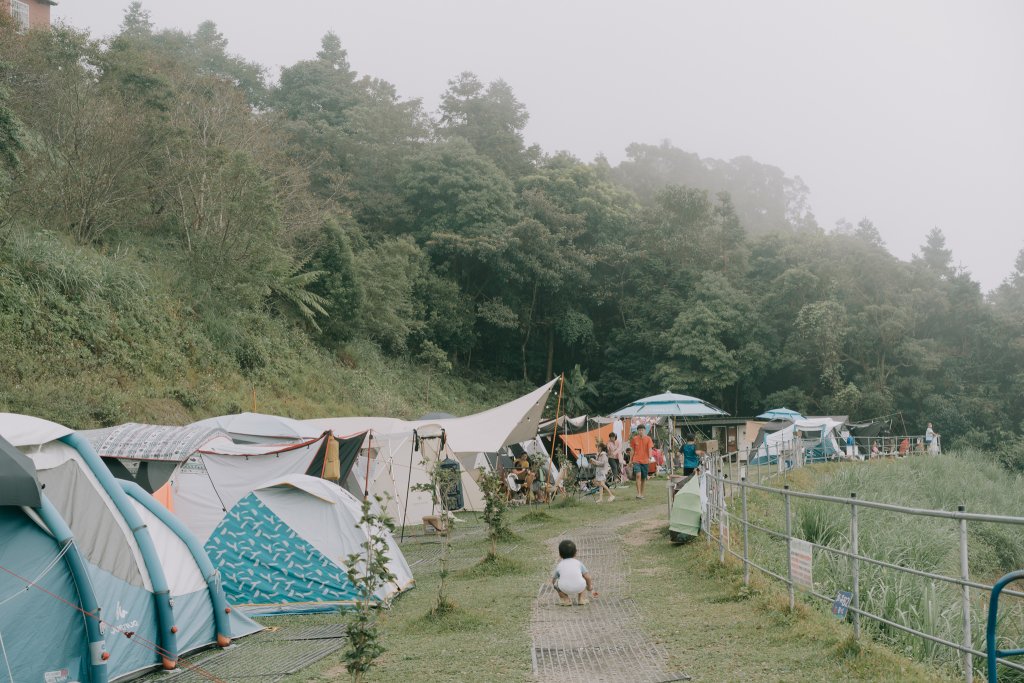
800 561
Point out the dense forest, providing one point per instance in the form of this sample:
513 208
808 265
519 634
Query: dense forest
170 212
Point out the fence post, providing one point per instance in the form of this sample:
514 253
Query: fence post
712 487
721 523
746 566
966 599
789 549
855 565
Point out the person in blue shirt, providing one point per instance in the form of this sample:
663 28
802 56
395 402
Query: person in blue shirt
691 457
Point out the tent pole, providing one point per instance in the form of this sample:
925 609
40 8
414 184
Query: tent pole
671 446
408 484
554 435
366 478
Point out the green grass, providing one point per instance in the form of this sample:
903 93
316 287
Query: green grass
927 544
493 565
717 629
693 604
488 638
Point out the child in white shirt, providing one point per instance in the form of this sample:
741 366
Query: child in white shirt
570 576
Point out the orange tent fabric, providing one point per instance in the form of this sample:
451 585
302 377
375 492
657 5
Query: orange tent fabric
587 441
165 497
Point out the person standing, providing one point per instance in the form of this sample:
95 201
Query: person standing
601 469
614 458
641 445
930 442
691 457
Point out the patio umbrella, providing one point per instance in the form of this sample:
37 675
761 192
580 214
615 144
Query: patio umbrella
669 405
780 414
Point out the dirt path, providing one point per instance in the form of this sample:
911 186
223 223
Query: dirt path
605 640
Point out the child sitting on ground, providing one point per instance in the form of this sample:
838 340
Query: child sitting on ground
571 577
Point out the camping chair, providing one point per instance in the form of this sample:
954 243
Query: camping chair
551 487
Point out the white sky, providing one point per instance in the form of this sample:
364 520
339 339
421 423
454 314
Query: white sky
910 113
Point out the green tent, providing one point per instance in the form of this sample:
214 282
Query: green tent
684 520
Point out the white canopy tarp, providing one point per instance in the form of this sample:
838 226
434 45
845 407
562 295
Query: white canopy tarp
488 431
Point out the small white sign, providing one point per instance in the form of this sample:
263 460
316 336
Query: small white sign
801 560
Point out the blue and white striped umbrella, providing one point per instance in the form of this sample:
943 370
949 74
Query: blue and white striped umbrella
669 405
780 414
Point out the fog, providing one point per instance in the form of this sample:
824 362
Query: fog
906 113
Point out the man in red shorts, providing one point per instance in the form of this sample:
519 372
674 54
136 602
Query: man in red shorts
641 445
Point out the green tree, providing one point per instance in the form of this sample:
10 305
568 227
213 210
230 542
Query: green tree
579 392
934 255
818 336
495 509
319 91
339 285
368 571
451 189
490 118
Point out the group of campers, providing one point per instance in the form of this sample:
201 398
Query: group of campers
894 446
613 466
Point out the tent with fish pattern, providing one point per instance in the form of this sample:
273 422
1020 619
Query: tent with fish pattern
134 589
282 548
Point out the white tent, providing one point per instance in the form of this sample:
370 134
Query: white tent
260 428
396 467
812 438
207 471
282 548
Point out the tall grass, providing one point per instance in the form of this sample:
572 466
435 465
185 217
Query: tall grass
923 543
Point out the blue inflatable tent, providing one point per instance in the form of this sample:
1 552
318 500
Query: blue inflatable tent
97 581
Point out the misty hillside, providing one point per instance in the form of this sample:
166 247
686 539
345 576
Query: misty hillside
177 228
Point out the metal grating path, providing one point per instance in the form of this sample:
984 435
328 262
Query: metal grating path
601 641
266 657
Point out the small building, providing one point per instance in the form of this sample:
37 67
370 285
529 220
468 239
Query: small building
29 13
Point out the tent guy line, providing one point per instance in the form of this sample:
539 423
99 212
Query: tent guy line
132 636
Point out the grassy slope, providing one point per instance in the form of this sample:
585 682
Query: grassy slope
92 339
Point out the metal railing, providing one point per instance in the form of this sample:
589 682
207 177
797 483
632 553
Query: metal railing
779 458
725 494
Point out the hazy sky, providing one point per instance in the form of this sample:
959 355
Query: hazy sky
908 113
